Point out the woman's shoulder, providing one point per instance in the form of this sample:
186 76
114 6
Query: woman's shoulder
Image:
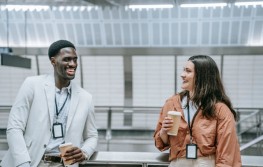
174 98
174 101
222 110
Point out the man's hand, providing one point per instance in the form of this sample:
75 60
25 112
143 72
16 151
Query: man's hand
75 154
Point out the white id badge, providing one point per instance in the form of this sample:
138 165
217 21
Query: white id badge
57 130
191 151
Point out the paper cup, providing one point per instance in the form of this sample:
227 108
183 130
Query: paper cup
63 148
176 116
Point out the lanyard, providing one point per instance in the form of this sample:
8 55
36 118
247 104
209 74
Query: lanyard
190 125
59 111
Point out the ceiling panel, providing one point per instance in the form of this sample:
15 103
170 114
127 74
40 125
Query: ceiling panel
119 27
104 3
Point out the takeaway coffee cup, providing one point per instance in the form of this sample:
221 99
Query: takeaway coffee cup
176 116
63 148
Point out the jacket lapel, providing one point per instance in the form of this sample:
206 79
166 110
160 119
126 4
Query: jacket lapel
73 103
50 95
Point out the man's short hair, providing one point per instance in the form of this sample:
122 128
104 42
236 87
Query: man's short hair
55 47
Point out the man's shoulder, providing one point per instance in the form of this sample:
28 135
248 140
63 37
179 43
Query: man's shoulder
37 78
81 90
84 91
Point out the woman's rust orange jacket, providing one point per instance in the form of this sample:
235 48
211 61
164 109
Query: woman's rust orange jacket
213 136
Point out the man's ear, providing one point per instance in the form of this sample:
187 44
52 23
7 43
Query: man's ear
53 61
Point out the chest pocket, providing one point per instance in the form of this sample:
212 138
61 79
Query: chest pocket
205 131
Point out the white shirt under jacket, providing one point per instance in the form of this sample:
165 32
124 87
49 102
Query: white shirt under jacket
30 121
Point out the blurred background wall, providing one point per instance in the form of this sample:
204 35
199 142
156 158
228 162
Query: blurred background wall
132 58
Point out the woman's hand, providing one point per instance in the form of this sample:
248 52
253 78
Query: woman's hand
166 125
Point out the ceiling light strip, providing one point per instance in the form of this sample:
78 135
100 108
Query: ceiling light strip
159 6
249 3
45 8
198 5
25 7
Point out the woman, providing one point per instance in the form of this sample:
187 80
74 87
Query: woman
210 139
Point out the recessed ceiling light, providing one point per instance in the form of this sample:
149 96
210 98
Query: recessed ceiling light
249 3
151 6
197 5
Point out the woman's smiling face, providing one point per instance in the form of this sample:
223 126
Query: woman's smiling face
188 77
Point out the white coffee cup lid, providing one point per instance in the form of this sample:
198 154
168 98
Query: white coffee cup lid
174 113
65 144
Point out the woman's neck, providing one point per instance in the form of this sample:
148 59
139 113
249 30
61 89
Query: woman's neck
191 94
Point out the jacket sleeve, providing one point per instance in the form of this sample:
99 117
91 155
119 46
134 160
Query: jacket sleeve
228 150
159 144
17 123
90 132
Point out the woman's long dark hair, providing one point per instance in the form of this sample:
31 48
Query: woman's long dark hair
208 88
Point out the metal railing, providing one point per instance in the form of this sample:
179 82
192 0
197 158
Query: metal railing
111 118
249 129
250 119
126 114
254 141
144 159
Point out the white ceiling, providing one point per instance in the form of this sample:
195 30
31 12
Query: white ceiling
105 3
111 25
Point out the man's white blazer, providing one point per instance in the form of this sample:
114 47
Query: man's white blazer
31 117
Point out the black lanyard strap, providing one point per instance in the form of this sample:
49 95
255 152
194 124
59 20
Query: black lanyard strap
190 124
59 111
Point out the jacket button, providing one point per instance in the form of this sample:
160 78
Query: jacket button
45 145
187 132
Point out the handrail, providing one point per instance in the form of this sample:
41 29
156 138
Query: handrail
149 158
146 159
143 109
254 141
138 107
248 117
146 107
155 110
142 158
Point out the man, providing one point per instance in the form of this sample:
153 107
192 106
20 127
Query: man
50 110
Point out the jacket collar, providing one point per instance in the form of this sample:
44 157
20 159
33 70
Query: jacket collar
50 88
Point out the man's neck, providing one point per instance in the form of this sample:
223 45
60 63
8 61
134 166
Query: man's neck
62 83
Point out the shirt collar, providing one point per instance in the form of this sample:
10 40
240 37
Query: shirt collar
191 104
68 89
